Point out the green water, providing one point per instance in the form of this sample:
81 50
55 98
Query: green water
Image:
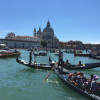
18 82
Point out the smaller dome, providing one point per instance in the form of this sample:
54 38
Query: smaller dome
39 31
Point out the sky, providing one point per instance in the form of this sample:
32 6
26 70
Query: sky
70 19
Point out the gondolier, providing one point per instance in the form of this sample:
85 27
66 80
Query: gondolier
30 57
60 62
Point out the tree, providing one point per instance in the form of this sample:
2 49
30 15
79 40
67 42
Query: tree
43 43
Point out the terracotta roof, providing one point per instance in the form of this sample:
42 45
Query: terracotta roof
71 45
63 42
27 36
18 40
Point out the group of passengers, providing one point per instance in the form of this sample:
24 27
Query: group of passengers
89 84
67 63
78 78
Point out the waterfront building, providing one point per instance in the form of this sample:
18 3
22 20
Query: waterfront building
48 36
71 45
12 36
14 41
19 43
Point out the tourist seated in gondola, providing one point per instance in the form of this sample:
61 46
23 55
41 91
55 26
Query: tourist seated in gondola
70 76
87 85
16 51
80 64
79 81
75 76
84 79
94 86
67 62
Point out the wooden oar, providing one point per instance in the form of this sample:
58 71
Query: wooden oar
47 75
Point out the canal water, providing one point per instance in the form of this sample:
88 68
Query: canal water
18 82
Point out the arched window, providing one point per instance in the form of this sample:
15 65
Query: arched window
15 44
49 41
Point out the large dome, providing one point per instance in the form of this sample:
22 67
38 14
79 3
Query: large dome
48 28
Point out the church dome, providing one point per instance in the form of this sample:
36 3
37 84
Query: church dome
48 28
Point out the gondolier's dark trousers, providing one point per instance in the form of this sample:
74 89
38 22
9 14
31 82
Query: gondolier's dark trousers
30 59
60 63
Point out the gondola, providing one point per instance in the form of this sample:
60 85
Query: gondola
94 57
40 54
36 65
83 66
52 51
75 87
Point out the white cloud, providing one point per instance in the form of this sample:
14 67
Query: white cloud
94 42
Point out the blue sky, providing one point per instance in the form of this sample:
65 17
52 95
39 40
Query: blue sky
70 19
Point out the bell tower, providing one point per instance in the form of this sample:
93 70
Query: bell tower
34 32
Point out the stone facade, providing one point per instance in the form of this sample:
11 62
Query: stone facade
71 45
19 43
12 36
48 36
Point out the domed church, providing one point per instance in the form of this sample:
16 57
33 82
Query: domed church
48 36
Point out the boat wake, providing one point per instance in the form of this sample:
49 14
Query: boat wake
52 81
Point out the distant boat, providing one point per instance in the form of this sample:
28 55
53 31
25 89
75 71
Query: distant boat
94 57
40 54
82 54
57 53
72 51
8 53
52 51
3 47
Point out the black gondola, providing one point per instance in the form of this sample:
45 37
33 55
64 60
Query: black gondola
82 66
40 54
52 51
36 65
76 88
94 57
